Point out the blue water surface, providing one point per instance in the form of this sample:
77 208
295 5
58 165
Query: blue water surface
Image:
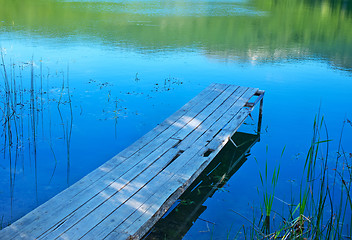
127 66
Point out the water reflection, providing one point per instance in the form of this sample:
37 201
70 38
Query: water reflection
48 125
342 6
176 223
133 45
250 31
27 110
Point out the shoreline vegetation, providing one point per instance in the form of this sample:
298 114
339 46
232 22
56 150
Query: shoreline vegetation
27 119
324 206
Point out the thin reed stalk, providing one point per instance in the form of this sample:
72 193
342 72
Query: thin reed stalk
325 205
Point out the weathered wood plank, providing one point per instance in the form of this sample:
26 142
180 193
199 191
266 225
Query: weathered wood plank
193 106
189 115
185 156
22 227
129 193
172 188
208 94
194 122
85 223
215 116
117 200
223 136
61 213
110 195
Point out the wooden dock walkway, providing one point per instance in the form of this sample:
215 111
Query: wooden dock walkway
127 195
190 206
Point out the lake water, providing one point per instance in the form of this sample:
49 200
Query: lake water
106 72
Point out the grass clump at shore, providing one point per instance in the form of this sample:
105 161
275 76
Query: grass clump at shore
324 209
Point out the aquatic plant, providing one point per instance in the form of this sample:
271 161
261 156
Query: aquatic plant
325 205
24 113
268 193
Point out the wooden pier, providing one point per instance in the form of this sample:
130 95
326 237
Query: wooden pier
181 216
128 194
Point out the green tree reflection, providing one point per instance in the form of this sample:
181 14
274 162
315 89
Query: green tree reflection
255 30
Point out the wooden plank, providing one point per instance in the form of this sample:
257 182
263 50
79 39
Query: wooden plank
128 194
194 122
185 156
21 228
208 94
215 116
61 213
194 106
23 224
216 112
141 221
117 200
208 184
189 115
231 127
113 188
222 137
85 223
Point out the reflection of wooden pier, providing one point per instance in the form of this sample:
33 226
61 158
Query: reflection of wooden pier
128 194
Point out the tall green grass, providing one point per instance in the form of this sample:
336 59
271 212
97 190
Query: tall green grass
269 188
324 209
